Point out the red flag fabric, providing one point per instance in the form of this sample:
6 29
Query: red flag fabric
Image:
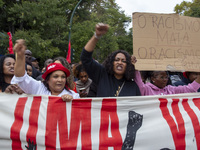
10 49
69 53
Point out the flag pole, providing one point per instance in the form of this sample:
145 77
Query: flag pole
70 27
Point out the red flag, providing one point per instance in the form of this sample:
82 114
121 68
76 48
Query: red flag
10 49
69 53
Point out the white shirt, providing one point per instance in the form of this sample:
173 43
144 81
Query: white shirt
32 86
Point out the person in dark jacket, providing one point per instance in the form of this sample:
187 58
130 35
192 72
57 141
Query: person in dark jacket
115 76
28 58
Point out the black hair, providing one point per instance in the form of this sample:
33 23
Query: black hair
28 63
2 58
145 75
79 68
130 68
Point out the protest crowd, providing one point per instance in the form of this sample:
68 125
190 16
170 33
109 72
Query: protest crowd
116 76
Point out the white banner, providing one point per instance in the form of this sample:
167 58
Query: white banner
126 123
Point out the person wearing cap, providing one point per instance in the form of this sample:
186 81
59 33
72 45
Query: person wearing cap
55 77
70 79
28 55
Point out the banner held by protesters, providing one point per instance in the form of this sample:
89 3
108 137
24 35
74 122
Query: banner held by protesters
145 122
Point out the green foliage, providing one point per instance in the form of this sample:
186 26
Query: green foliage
81 33
44 24
40 48
188 8
1 3
4 43
126 42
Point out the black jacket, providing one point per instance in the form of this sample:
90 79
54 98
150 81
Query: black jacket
106 84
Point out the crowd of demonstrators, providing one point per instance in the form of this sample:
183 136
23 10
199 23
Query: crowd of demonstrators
46 63
55 77
84 82
35 63
115 76
7 63
28 59
29 68
175 76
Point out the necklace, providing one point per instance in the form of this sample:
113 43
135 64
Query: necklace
119 89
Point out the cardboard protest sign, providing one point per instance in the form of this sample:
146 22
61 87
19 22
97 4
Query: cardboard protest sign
166 42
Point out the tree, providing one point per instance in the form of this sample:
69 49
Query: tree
188 8
44 24
1 3
102 11
126 42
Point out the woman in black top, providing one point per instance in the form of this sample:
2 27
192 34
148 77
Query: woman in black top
115 76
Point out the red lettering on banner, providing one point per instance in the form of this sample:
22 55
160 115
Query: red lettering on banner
109 110
178 133
33 119
194 119
17 124
80 115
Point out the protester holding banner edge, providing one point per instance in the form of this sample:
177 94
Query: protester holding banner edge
70 79
6 73
55 77
158 84
115 76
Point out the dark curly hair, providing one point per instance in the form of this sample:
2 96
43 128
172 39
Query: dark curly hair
130 68
2 58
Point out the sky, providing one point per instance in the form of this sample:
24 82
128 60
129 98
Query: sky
152 6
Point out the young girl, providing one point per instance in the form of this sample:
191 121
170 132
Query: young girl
158 83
